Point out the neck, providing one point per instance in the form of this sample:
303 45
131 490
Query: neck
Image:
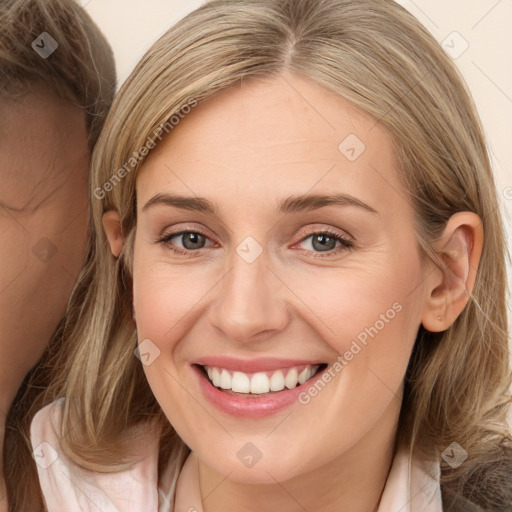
352 481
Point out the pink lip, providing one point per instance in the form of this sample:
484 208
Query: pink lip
253 365
257 407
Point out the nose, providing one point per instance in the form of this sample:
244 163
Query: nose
251 304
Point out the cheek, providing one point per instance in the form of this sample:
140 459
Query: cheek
383 312
377 301
370 317
40 263
14 252
160 302
166 299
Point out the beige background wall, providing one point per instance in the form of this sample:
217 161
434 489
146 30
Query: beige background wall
484 26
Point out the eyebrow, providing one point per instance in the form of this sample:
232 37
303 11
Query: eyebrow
291 204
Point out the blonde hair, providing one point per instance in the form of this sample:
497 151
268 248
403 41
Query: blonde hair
80 71
377 56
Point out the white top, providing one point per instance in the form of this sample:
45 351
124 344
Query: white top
69 488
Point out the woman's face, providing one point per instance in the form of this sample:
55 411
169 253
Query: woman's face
274 239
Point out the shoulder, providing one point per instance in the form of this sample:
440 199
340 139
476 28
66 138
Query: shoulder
67 485
45 431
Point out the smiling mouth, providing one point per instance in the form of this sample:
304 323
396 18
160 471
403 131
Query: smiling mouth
262 383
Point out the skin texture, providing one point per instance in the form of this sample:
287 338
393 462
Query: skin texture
43 207
246 150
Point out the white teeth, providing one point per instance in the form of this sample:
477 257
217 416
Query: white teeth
277 381
304 375
240 383
215 376
225 380
260 383
291 378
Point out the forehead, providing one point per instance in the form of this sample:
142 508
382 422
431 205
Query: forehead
273 136
43 139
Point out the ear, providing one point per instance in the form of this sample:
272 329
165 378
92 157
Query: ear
448 289
112 227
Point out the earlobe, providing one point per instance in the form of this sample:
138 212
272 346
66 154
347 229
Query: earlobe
112 226
449 288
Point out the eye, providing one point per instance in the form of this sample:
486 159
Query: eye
326 241
190 240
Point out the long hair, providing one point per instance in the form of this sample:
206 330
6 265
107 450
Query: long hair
377 56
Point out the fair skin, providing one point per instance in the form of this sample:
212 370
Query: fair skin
43 221
245 151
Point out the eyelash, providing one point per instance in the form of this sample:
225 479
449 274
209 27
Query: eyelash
345 243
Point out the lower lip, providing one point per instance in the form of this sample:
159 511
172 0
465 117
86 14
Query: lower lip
257 407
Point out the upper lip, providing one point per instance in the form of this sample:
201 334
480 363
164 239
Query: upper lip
253 365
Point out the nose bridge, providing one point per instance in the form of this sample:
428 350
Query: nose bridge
249 301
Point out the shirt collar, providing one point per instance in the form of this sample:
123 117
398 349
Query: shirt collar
409 486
